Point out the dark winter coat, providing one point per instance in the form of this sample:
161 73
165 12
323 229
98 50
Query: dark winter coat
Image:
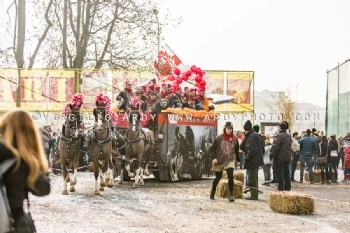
253 153
333 145
282 147
324 148
16 183
217 150
307 146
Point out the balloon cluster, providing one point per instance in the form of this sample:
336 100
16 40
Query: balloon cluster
192 74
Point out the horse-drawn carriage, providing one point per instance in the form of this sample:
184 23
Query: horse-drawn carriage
181 146
173 145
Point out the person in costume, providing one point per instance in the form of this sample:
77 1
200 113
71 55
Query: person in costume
153 107
126 96
164 93
199 101
191 98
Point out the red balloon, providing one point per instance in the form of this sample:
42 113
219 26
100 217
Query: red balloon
177 71
203 83
171 78
198 78
193 69
179 80
185 77
188 73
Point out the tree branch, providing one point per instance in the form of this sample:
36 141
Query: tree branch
43 36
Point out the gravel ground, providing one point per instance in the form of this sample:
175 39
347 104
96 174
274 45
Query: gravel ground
181 207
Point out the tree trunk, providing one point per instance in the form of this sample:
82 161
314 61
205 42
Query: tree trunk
19 51
64 34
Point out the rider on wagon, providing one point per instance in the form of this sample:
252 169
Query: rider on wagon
125 96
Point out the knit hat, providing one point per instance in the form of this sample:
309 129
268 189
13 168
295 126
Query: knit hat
228 125
256 128
247 125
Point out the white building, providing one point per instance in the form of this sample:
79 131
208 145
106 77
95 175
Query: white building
307 116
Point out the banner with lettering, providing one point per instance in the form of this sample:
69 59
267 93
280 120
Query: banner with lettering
8 87
40 89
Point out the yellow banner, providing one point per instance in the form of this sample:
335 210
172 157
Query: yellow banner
240 86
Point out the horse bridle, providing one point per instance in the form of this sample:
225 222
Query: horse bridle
98 116
72 129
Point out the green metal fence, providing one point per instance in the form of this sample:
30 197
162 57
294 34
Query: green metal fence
338 100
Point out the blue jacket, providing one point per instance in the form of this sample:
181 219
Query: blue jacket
307 146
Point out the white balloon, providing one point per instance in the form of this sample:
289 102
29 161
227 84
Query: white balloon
208 82
206 77
192 77
185 68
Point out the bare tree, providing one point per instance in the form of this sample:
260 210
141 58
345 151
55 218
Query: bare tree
283 104
80 34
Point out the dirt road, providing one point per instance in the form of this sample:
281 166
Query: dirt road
181 207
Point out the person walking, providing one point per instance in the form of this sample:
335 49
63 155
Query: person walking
307 148
295 154
253 152
282 153
21 141
223 153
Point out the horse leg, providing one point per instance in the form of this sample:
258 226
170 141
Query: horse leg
110 173
137 177
146 172
130 174
64 174
141 176
102 180
96 173
73 181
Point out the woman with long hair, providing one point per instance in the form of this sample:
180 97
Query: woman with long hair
332 154
323 153
20 140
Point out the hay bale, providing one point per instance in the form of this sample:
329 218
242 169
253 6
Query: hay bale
236 176
317 176
222 189
292 203
91 167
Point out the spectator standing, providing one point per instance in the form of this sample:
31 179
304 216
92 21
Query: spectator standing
307 148
333 158
282 153
295 154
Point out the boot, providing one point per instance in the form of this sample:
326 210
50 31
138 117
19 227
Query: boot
231 197
212 194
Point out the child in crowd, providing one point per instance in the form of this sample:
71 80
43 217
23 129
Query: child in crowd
267 163
347 163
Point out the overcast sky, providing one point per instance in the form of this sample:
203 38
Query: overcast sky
286 43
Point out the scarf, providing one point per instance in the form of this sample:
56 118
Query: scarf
228 137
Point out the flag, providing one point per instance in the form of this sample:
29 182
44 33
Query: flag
166 62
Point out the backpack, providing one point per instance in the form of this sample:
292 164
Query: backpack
6 220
